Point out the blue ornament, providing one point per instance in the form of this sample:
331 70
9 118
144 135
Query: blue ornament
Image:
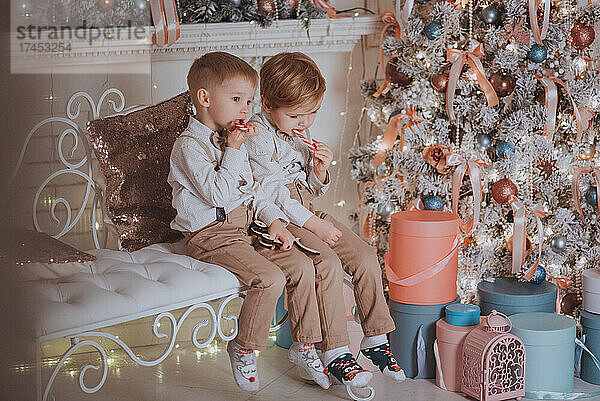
539 276
537 53
591 196
433 202
503 148
235 3
433 30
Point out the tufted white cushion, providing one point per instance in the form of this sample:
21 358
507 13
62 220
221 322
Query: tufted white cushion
123 284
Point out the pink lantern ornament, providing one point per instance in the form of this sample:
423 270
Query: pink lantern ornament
493 361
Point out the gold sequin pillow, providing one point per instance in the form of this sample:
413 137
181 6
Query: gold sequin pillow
38 256
133 151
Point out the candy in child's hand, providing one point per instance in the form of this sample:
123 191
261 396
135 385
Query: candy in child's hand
268 237
266 244
260 224
311 144
305 248
241 125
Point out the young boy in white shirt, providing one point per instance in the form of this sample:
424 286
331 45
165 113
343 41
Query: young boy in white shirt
216 197
293 169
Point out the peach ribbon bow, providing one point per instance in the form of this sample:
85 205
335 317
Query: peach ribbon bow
520 212
577 172
458 58
396 125
166 22
539 34
471 166
549 82
404 12
391 25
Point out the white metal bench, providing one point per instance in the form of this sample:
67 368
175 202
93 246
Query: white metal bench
119 286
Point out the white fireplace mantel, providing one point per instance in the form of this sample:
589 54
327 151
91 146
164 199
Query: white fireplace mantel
244 39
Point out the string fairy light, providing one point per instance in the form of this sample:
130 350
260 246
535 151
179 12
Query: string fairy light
341 142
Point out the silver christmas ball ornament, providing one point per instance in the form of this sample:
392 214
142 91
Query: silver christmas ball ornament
385 209
559 243
484 141
490 14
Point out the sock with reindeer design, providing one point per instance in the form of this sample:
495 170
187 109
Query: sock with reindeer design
243 364
305 356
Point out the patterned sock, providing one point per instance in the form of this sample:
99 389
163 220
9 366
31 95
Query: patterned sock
382 357
243 365
332 354
347 371
373 341
305 356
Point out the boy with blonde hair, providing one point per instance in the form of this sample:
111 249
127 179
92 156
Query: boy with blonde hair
216 197
292 173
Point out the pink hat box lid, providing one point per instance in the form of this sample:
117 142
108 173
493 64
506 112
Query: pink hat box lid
591 290
447 333
591 280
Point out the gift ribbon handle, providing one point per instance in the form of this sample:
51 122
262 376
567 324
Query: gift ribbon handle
438 364
421 355
423 274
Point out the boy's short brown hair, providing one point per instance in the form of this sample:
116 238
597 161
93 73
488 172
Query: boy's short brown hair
291 80
213 68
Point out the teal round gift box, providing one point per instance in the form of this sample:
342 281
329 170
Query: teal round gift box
591 329
549 348
404 339
284 335
510 296
462 314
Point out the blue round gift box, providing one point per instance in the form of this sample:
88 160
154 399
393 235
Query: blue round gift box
550 350
510 296
403 340
591 329
462 314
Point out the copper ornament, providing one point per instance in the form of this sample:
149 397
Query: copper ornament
528 244
267 7
582 36
440 82
503 189
569 303
546 167
588 152
394 76
503 84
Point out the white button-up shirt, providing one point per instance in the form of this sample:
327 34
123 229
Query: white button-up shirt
199 188
278 159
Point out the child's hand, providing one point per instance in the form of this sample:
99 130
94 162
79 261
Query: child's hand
323 229
322 160
278 231
238 136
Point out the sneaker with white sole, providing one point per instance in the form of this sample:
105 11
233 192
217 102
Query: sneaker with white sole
347 371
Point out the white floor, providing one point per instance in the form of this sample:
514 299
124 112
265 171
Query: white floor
189 374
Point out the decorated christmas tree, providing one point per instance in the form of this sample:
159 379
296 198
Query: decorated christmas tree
487 110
